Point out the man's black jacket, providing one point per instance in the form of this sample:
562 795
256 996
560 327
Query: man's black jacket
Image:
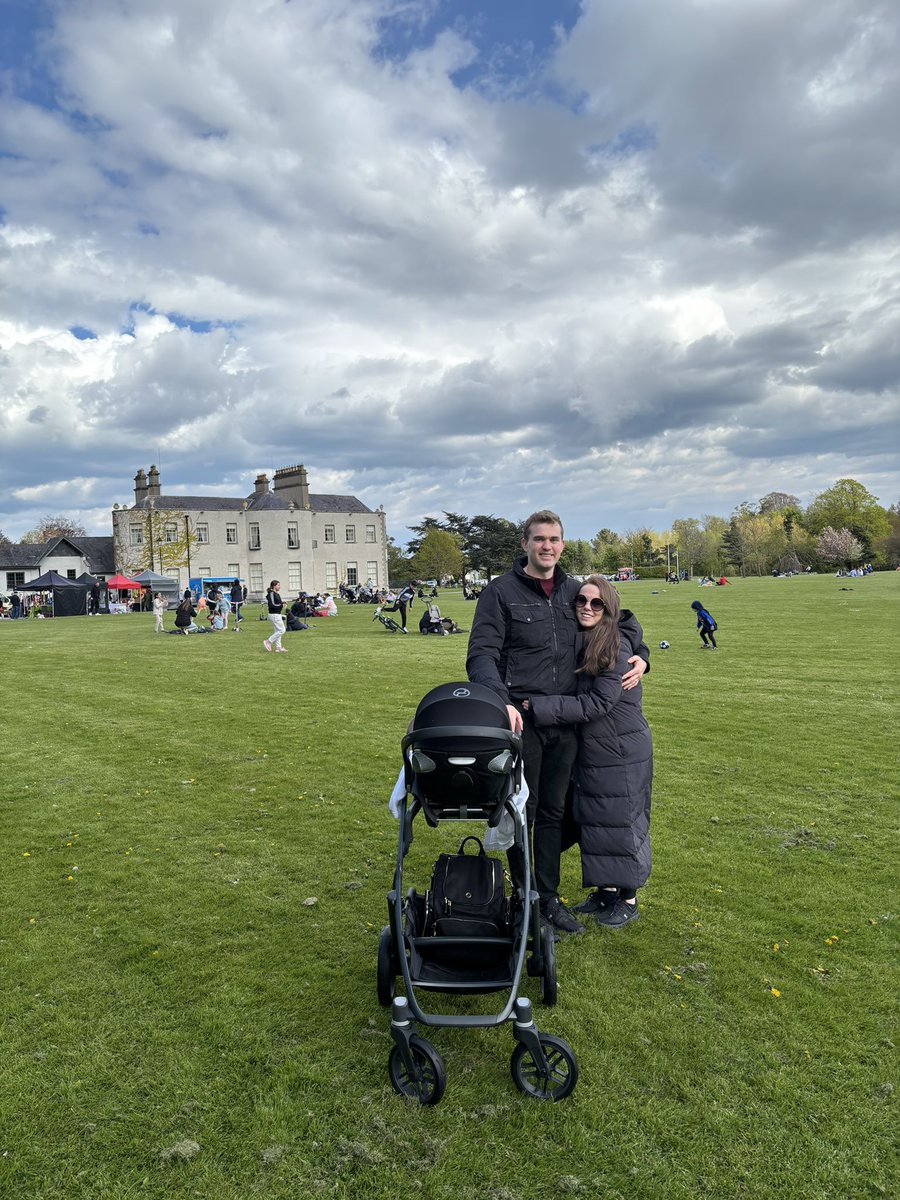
523 643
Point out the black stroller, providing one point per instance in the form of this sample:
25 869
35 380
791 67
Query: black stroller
388 622
462 763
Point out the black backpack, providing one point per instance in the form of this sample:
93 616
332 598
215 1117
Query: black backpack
466 897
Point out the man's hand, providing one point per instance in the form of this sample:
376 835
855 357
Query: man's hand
515 718
633 677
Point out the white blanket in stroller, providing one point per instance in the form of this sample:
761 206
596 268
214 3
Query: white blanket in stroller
501 837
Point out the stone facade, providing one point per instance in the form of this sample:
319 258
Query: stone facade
309 542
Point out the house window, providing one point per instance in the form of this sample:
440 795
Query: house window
137 535
202 572
331 577
70 574
202 534
370 533
256 578
231 535
372 573
233 569
254 536
171 533
352 574
349 533
329 533
293 536
14 579
295 577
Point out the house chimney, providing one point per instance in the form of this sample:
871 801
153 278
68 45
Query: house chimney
291 482
153 488
261 486
140 487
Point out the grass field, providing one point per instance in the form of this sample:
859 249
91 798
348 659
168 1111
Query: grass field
177 1022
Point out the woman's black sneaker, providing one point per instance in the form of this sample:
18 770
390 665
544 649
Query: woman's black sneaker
597 901
620 914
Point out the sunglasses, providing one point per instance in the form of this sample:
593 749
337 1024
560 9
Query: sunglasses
595 603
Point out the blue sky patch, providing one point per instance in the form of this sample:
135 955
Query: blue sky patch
82 333
513 38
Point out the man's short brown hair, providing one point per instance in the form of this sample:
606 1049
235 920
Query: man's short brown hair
543 517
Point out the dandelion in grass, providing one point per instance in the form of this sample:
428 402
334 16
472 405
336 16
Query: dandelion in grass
776 946
774 992
26 854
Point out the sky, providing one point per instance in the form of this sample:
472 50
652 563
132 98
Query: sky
632 260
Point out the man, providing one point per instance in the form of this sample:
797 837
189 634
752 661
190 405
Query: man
523 644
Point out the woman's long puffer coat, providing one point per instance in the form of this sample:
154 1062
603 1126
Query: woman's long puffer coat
613 774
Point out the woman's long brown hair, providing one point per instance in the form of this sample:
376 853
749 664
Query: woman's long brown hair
601 644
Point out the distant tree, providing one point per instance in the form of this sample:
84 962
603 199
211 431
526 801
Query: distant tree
712 559
398 563
5 543
439 556
689 541
888 547
578 557
491 545
426 527
777 502
733 545
849 505
609 551
53 527
840 546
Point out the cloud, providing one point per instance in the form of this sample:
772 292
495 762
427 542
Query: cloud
641 263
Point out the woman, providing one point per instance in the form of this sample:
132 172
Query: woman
185 613
614 770
275 605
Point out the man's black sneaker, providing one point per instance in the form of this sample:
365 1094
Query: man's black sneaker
555 913
597 901
617 916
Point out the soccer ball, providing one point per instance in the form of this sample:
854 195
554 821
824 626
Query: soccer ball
663 645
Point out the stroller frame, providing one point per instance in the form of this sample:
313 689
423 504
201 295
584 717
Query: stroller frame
388 622
542 1066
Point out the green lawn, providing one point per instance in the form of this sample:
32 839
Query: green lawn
168 804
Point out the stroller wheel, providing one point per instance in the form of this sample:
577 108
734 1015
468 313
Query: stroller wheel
386 978
548 974
562 1067
429 1087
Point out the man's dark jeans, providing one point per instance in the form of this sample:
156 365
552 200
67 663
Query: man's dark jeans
548 755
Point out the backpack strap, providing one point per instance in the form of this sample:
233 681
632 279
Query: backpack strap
471 838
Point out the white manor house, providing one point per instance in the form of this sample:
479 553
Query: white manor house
309 542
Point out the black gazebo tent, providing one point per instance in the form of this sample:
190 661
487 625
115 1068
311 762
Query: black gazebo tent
70 598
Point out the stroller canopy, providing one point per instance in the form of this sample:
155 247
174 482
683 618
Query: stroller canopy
468 704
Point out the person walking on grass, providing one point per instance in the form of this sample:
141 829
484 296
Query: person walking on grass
522 644
159 607
614 768
237 599
403 601
706 624
275 605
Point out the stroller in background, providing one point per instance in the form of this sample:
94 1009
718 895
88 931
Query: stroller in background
431 621
463 763
389 623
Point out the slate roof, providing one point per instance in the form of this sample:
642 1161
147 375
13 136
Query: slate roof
256 502
97 550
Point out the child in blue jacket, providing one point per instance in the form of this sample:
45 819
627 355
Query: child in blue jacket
706 623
